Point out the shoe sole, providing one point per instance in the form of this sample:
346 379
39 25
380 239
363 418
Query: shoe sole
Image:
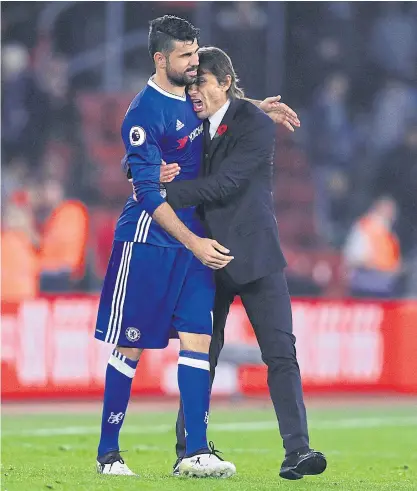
310 466
290 474
116 474
222 472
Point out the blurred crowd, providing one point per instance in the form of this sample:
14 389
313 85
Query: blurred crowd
352 67
346 182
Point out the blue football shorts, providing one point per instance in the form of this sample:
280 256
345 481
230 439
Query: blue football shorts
151 293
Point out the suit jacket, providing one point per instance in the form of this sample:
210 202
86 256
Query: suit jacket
235 192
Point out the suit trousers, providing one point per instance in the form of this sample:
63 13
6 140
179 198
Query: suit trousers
268 306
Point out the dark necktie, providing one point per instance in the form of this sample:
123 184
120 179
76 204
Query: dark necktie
207 139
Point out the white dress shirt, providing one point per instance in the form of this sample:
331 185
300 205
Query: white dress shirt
217 117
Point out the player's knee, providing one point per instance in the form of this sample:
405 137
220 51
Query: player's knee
131 353
195 342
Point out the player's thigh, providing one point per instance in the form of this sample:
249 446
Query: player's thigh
113 283
194 310
139 295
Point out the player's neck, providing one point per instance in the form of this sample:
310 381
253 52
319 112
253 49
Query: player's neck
161 81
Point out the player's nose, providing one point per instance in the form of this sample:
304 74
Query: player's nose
194 60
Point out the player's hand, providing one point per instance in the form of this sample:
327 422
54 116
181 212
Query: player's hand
211 253
280 113
168 172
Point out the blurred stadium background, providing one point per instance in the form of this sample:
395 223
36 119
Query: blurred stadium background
345 188
346 205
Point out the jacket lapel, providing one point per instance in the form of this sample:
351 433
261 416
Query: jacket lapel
225 124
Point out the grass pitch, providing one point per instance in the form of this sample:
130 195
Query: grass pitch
368 448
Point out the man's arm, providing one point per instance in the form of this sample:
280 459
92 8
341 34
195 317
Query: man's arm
208 251
279 112
254 147
143 158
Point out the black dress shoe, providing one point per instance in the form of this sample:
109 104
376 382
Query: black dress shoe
299 464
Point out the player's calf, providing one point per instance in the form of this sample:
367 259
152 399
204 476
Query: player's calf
119 375
194 386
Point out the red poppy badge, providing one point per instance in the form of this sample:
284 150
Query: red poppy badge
221 129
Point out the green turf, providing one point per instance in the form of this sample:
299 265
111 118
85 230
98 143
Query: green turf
367 449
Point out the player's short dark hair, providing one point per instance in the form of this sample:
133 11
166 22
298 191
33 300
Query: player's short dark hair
164 30
216 61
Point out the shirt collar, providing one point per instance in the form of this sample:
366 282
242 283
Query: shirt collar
152 84
217 118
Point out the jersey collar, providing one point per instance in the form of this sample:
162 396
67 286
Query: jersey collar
152 84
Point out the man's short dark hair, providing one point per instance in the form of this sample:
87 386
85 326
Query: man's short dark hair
216 61
164 30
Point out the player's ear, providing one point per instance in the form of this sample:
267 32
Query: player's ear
160 60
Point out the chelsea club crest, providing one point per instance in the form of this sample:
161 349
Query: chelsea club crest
132 334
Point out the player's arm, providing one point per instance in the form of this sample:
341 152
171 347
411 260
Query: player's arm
143 159
279 112
253 149
208 251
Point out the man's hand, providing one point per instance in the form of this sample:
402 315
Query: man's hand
280 113
210 253
168 172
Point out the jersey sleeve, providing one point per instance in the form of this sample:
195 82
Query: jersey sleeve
142 134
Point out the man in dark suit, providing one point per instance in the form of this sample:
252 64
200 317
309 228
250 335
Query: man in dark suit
234 195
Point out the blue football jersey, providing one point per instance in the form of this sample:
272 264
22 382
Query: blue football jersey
158 126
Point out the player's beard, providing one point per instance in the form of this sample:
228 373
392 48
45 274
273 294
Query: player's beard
180 79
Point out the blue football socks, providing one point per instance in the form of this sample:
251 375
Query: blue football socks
194 386
119 375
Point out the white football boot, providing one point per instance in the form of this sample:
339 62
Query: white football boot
206 465
113 464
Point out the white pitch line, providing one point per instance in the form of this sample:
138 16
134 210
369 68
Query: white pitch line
348 423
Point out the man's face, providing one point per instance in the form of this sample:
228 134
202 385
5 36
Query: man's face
207 95
182 63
